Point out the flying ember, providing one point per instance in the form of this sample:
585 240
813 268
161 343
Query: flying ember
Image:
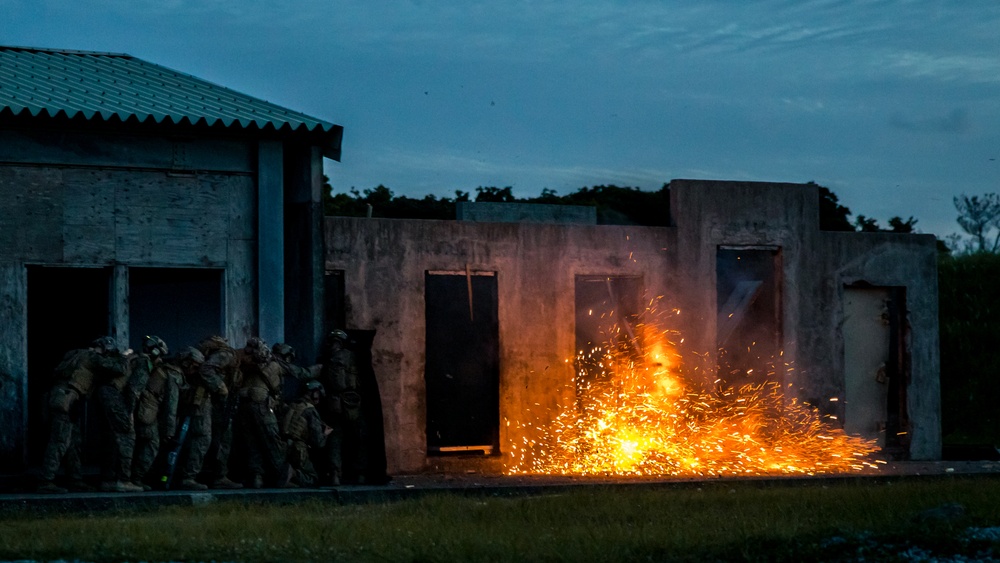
640 411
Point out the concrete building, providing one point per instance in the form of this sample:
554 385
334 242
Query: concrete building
475 322
140 200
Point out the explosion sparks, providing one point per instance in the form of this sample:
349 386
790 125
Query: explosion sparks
637 414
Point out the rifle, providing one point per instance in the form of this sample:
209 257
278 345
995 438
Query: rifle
175 454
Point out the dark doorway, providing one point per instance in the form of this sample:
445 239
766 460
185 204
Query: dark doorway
463 362
748 285
333 292
68 308
607 311
180 305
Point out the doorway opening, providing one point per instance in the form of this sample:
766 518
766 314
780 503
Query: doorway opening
748 324
68 308
876 366
180 305
607 312
462 373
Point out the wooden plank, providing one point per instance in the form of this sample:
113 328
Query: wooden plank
119 306
130 151
13 365
242 198
241 314
32 212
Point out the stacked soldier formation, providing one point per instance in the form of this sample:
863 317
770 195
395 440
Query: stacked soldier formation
170 421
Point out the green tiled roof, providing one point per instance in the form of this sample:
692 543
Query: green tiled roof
113 86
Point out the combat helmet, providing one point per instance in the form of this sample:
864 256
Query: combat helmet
337 335
314 385
257 349
284 351
105 344
154 346
190 356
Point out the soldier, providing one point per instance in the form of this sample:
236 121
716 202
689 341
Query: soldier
119 437
293 375
305 433
259 395
156 408
196 409
222 365
75 379
342 407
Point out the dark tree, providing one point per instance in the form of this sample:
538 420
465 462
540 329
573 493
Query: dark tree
978 215
898 225
832 215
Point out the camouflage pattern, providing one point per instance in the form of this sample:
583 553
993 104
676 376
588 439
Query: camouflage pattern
75 378
64 433
220 373
341 409
292 376
259 395
305 433
155 416
118 436
194 404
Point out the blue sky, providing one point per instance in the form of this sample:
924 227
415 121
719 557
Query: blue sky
895 105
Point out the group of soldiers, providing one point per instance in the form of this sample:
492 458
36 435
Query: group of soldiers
181 414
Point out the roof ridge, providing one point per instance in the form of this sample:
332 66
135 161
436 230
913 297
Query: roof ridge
63 51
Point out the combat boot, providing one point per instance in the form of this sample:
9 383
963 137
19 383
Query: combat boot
191 485
120 487
50 488
226 483
144 486
80 486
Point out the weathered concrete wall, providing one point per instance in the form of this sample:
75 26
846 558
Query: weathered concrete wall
384 262
888 260
712 214
536 267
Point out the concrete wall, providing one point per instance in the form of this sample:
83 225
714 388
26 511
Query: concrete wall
536 267
384 262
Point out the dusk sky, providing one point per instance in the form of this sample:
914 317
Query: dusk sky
894 105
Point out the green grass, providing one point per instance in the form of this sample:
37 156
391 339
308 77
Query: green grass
721 521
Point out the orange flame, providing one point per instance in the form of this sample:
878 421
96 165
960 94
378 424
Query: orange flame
637 414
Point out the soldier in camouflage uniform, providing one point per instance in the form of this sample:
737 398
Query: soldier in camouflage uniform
195 407
341 409
119 438
75 379
221 365
293 375
305 433
156 408
261 392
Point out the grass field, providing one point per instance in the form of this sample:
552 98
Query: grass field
852 521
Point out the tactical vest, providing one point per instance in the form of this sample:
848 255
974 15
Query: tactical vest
261 381
76 370
293 424
152 396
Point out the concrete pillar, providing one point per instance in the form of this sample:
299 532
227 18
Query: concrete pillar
270 242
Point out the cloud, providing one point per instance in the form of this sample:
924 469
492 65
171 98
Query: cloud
956 121
969 68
